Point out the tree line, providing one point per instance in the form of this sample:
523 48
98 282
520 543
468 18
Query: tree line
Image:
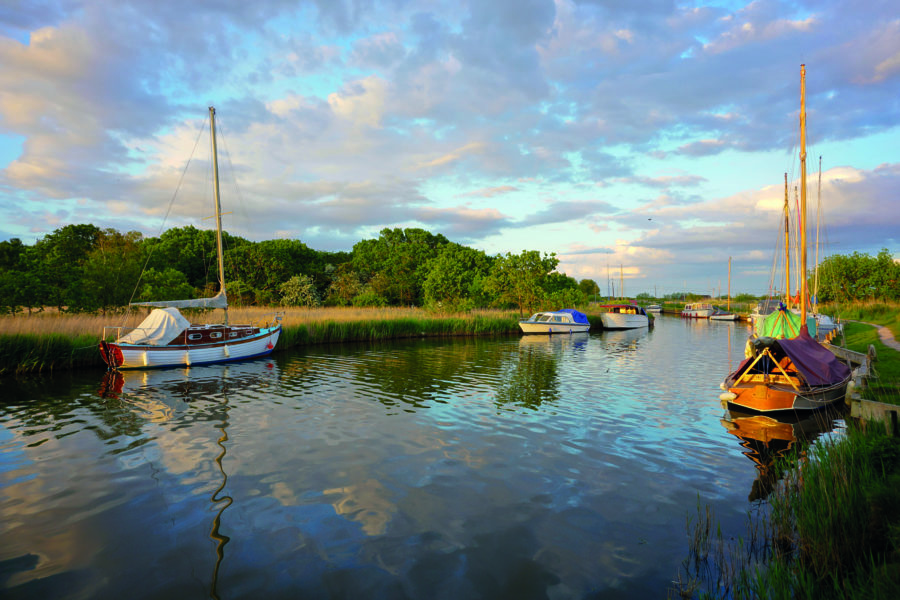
83 268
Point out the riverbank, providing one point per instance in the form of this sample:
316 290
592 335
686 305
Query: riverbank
53 341
831 530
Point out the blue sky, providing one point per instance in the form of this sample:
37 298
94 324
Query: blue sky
648 135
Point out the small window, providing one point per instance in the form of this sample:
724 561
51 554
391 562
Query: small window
195 336
215 335
233 334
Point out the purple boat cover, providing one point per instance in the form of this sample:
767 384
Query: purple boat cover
815 362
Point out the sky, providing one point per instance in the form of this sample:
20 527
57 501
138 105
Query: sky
642 142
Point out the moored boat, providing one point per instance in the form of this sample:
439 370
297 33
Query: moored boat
653 308
786 369
167 339
623 316
567 320
723 315
697 310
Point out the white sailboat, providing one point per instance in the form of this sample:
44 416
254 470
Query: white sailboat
167 339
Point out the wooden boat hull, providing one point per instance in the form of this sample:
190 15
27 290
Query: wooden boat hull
134 356
612 320
768 398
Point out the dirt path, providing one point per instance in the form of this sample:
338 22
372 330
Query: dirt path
887 337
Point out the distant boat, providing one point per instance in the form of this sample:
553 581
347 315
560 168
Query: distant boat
167 339
725 315
786 370
623 316
567 320
653 308
698 310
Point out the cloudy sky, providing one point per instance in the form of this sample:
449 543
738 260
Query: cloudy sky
652 135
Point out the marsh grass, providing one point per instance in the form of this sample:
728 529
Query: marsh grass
830 530
51 340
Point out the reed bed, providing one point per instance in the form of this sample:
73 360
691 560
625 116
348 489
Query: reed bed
831 529
50 340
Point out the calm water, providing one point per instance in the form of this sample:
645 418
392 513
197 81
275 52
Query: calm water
521 467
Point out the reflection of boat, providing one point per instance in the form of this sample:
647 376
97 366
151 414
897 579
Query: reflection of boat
697 310
786 368
623 316
766 439
567 320
623 338
576 341
160 394
167 339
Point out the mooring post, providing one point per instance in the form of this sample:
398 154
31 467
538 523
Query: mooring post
892 425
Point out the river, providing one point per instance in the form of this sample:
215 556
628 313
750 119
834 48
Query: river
512 467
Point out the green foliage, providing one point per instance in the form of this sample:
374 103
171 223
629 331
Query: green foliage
455 279
589 287
396 263
168 284
859 276
345 285
369 297
515 279
299 290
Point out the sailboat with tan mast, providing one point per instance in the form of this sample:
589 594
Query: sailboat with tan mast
167 339
787 372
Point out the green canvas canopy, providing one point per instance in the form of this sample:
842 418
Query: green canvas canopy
783 324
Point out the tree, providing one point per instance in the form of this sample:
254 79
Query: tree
345 285
110 272
515 279
589 287
299 290
455 278
167 284
400 257
58 261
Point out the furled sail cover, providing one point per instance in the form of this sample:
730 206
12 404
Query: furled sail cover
783 324
160 327
217 301
816 363
578 317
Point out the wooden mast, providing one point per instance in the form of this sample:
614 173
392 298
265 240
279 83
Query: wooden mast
787 249
215 163
728 306
803 291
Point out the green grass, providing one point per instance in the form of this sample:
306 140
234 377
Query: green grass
832 530
885 385
22 353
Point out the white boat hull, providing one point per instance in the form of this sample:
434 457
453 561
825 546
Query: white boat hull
724 317
547 328
701 313
157 357
612 320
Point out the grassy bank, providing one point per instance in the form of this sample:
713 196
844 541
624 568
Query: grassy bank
50 340
832 529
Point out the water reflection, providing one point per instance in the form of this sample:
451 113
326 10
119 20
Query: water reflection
766 440
455 468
